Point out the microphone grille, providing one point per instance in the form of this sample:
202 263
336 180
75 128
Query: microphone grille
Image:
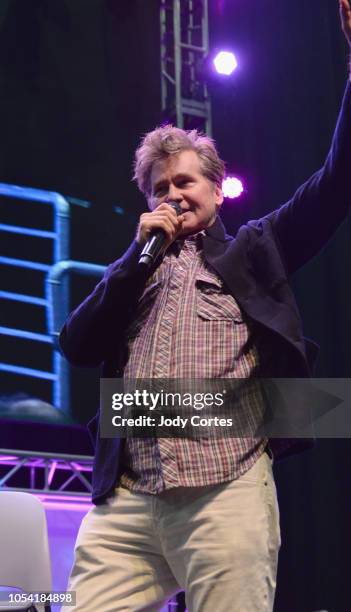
176 207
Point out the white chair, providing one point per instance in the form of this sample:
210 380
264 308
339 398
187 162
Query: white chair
24 547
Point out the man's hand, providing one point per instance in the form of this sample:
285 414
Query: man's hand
164 217
345 15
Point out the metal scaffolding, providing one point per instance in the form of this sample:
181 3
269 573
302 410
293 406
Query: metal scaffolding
51 475
184 50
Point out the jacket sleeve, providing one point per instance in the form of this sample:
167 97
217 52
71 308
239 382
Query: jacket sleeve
93 330
305 223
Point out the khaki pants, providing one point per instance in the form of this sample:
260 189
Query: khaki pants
219 543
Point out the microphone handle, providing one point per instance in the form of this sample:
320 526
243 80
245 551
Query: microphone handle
154 245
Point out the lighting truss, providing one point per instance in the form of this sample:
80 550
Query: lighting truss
51 476
184 49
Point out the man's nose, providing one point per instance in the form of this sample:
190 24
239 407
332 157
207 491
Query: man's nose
174 194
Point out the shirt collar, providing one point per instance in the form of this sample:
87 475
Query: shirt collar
215 231
193 239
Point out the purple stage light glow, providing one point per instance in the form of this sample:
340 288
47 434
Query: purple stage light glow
52 472
67 506
225 62
232 187
67 502
57 497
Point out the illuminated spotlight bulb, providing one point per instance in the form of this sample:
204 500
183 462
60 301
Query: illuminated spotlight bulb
225 62
232 187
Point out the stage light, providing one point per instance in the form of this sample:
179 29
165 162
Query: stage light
232 187
225 62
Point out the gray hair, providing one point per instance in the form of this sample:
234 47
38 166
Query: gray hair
169 140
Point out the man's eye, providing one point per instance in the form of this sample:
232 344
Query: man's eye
159 191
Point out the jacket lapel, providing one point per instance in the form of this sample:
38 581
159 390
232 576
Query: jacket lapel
229 257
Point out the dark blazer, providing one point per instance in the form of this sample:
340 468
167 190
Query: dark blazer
255 266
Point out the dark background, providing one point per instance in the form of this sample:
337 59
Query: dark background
80 84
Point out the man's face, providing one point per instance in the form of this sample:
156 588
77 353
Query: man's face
178 178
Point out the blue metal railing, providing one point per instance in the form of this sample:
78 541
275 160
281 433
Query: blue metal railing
61 207
59 235
58 309
55 297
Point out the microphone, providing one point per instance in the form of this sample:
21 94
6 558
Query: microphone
156 242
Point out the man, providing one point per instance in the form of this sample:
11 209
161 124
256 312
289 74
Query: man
199 515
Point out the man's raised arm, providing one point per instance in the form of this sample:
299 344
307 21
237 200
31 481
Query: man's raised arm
304 224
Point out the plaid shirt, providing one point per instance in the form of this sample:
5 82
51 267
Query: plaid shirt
188 326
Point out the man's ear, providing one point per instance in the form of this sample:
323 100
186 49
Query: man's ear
219 197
